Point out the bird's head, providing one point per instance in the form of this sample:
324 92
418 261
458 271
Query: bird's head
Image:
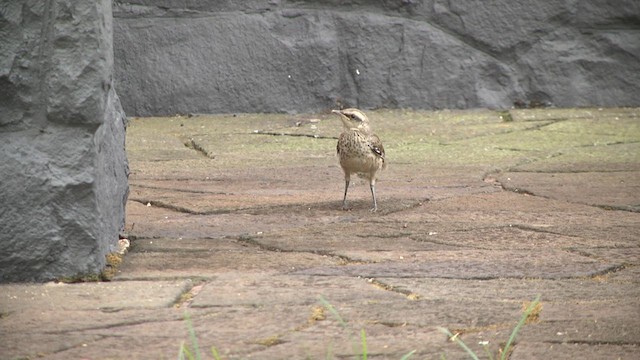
353 119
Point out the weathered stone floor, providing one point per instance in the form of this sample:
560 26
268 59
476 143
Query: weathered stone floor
236 221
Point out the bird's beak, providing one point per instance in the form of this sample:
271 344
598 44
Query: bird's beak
336 112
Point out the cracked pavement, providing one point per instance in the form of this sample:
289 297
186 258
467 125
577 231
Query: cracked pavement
237 220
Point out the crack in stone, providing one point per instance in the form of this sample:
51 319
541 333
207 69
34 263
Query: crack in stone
613 143
313 136
70 347
423 238
522 191
577 171
511 149
193 145
162 278
340 259
526 227
610 270
594 342
416 204
628 208
546 122
180 209
384 236
249 210
180 190
623 266
111 326
392 324
478 329
250 240
418 238
188 294
410 295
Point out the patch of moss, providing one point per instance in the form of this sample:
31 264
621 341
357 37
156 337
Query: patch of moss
505 116
270 341
80 278
111 269
113 260
534 314
317 314
183 298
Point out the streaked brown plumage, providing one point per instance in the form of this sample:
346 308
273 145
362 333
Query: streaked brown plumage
360 151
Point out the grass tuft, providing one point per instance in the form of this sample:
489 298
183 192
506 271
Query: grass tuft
363 336
531 314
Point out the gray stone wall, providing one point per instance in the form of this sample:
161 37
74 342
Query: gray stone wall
63 174
290 56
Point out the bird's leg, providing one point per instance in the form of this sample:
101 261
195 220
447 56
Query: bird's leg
372 185
346 188
344 200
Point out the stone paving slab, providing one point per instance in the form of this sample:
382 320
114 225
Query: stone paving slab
574 291
575 350
591 331
57 332
472 264
593 226
164 258
89 296
589 187
236 220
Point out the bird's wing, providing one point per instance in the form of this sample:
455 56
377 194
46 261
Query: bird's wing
376 146
339 141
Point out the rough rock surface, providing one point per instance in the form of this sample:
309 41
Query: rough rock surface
62 131
298 56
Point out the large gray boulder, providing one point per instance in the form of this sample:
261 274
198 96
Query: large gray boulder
288 56
63 174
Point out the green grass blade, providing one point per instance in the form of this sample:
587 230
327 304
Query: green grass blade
192 336
333 311
460 343
488 352
363 337
343 323
408 355
181 351
329 351
184 351
215 354
523 319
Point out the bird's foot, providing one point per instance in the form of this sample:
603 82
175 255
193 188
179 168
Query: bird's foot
373 209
